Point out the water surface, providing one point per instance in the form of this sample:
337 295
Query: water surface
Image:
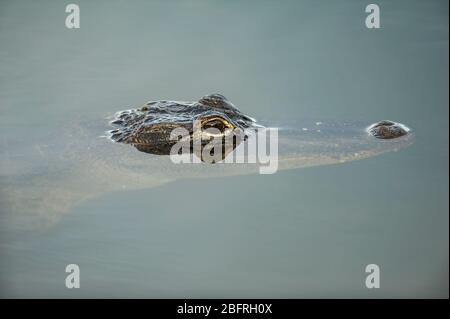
298 233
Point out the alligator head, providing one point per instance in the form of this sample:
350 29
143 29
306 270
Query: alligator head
154 128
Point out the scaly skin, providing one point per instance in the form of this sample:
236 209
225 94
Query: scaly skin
149 127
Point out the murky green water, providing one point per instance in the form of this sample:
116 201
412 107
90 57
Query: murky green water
297 233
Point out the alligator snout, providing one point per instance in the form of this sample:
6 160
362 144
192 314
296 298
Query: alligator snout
387 130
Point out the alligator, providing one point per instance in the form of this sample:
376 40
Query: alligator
42 178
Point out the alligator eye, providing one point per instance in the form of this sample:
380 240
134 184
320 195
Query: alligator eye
220 125
216 122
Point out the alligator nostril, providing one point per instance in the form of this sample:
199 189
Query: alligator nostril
387 130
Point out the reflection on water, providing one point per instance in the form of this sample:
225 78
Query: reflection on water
297 233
